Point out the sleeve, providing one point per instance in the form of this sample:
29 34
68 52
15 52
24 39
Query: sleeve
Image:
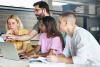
67 51
40 39
36 27
79 60
56 44
82 49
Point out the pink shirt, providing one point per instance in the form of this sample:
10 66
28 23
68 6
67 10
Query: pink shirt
50 43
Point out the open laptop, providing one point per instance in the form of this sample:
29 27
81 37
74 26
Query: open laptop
9 51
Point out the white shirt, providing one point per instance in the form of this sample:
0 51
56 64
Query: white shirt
83 48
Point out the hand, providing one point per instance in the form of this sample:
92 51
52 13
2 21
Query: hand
4 37
9 32
10 37
53 58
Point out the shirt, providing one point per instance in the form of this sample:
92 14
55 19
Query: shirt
84 48
64 36
50 43
67 50
36 27
19 44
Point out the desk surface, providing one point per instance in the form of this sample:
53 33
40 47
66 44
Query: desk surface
12 63
22 63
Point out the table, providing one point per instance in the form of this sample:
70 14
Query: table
12 63
24 63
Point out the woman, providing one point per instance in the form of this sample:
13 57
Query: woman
51 41
14 26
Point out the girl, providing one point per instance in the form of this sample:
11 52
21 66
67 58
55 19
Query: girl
14 27
51 41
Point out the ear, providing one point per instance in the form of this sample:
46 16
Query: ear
44 10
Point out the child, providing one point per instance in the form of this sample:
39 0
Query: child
82 48
14 26
51 41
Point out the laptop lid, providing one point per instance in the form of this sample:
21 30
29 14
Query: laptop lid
9 51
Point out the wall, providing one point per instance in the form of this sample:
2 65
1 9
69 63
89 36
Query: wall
28 18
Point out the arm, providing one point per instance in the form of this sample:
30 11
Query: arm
60 58
52 52
23 37
56 47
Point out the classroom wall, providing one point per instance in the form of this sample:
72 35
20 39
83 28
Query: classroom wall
29 19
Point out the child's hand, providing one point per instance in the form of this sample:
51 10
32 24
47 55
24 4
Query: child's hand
9 32
52 58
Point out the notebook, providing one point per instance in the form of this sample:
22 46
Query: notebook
9 51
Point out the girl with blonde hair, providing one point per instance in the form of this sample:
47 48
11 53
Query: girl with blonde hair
14 26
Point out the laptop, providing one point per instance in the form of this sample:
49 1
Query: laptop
9 51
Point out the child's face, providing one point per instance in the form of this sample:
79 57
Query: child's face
12 24
42 27
62 25
67 23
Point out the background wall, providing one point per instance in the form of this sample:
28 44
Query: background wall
29 19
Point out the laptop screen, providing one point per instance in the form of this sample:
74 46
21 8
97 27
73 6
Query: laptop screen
9 51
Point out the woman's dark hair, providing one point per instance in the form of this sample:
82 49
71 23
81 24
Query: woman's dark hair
51 28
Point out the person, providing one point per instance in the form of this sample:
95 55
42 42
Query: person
82 48
14 26
41 9
51 41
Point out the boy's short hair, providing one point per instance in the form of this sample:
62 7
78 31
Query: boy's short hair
67 14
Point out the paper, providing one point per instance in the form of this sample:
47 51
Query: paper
44 63
47 65
1 39
39 59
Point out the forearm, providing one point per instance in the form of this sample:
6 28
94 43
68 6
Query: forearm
27 36
44 54
23 37
67 60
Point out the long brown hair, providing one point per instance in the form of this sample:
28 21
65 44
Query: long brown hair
51 28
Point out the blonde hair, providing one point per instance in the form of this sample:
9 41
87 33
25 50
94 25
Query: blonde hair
17 19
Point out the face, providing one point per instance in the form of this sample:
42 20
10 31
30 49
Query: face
42 27
62 25
12 24
67 23
38 11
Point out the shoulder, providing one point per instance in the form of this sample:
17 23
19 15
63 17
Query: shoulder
23 31
57 38
83 35
42 35
82 32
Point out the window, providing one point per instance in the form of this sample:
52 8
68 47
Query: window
18 3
